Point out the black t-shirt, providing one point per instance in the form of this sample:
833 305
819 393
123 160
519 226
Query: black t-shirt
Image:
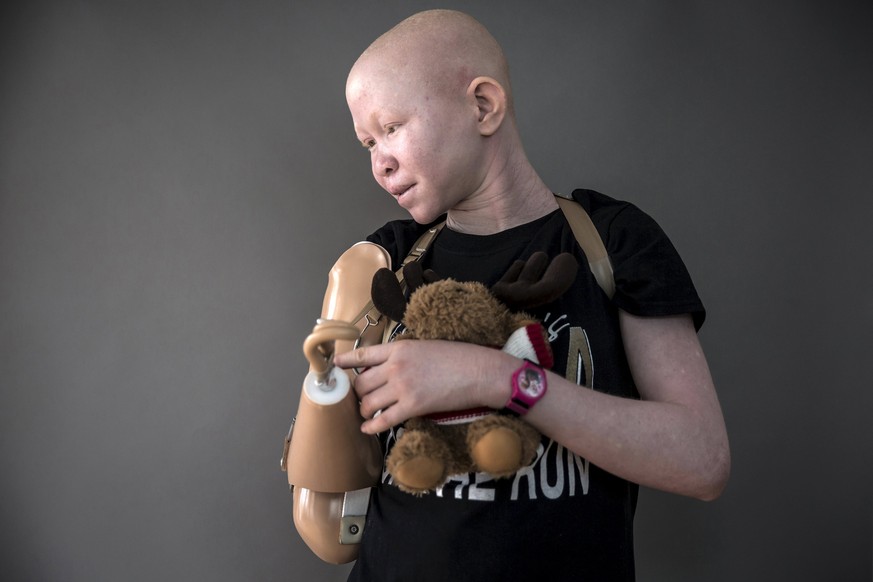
561 518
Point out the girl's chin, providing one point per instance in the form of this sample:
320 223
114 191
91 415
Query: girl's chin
421 218
419 213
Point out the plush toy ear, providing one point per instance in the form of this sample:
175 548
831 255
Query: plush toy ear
388 295
536 281
415 277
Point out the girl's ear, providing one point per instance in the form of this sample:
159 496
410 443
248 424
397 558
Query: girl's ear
491 103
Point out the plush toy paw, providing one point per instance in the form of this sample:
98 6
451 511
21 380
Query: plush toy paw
498 452
417 462
502 445
419 475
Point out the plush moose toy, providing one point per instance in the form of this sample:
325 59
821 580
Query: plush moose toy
432 448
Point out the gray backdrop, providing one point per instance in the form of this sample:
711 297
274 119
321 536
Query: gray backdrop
176 178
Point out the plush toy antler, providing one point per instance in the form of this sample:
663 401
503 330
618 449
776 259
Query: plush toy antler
536 281
525 284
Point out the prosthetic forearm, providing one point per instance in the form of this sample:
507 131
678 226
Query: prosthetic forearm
330 462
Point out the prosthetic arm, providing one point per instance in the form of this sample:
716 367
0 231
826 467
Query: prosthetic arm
330 463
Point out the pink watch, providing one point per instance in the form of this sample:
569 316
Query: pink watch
528 386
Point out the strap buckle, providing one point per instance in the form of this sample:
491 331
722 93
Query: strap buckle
283 462
354 516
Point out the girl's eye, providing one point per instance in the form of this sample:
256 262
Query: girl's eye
371 143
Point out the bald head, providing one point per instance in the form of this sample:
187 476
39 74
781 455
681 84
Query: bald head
442 50
430 101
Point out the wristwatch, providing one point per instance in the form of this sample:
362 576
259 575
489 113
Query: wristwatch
528 386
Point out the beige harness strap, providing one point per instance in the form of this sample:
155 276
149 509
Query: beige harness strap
418 249
421 245
580 223
583 229
589 239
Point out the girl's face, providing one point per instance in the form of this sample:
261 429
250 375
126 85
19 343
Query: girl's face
424 144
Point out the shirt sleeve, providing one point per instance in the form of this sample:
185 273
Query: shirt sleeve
650 277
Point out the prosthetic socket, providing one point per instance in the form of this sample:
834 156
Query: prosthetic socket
331 464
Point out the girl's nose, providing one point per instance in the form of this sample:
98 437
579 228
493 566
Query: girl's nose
383 163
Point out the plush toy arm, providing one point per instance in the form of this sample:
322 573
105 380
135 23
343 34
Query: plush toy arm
330 462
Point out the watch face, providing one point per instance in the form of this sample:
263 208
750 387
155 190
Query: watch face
531 382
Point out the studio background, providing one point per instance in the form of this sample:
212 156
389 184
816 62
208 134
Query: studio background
176 179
